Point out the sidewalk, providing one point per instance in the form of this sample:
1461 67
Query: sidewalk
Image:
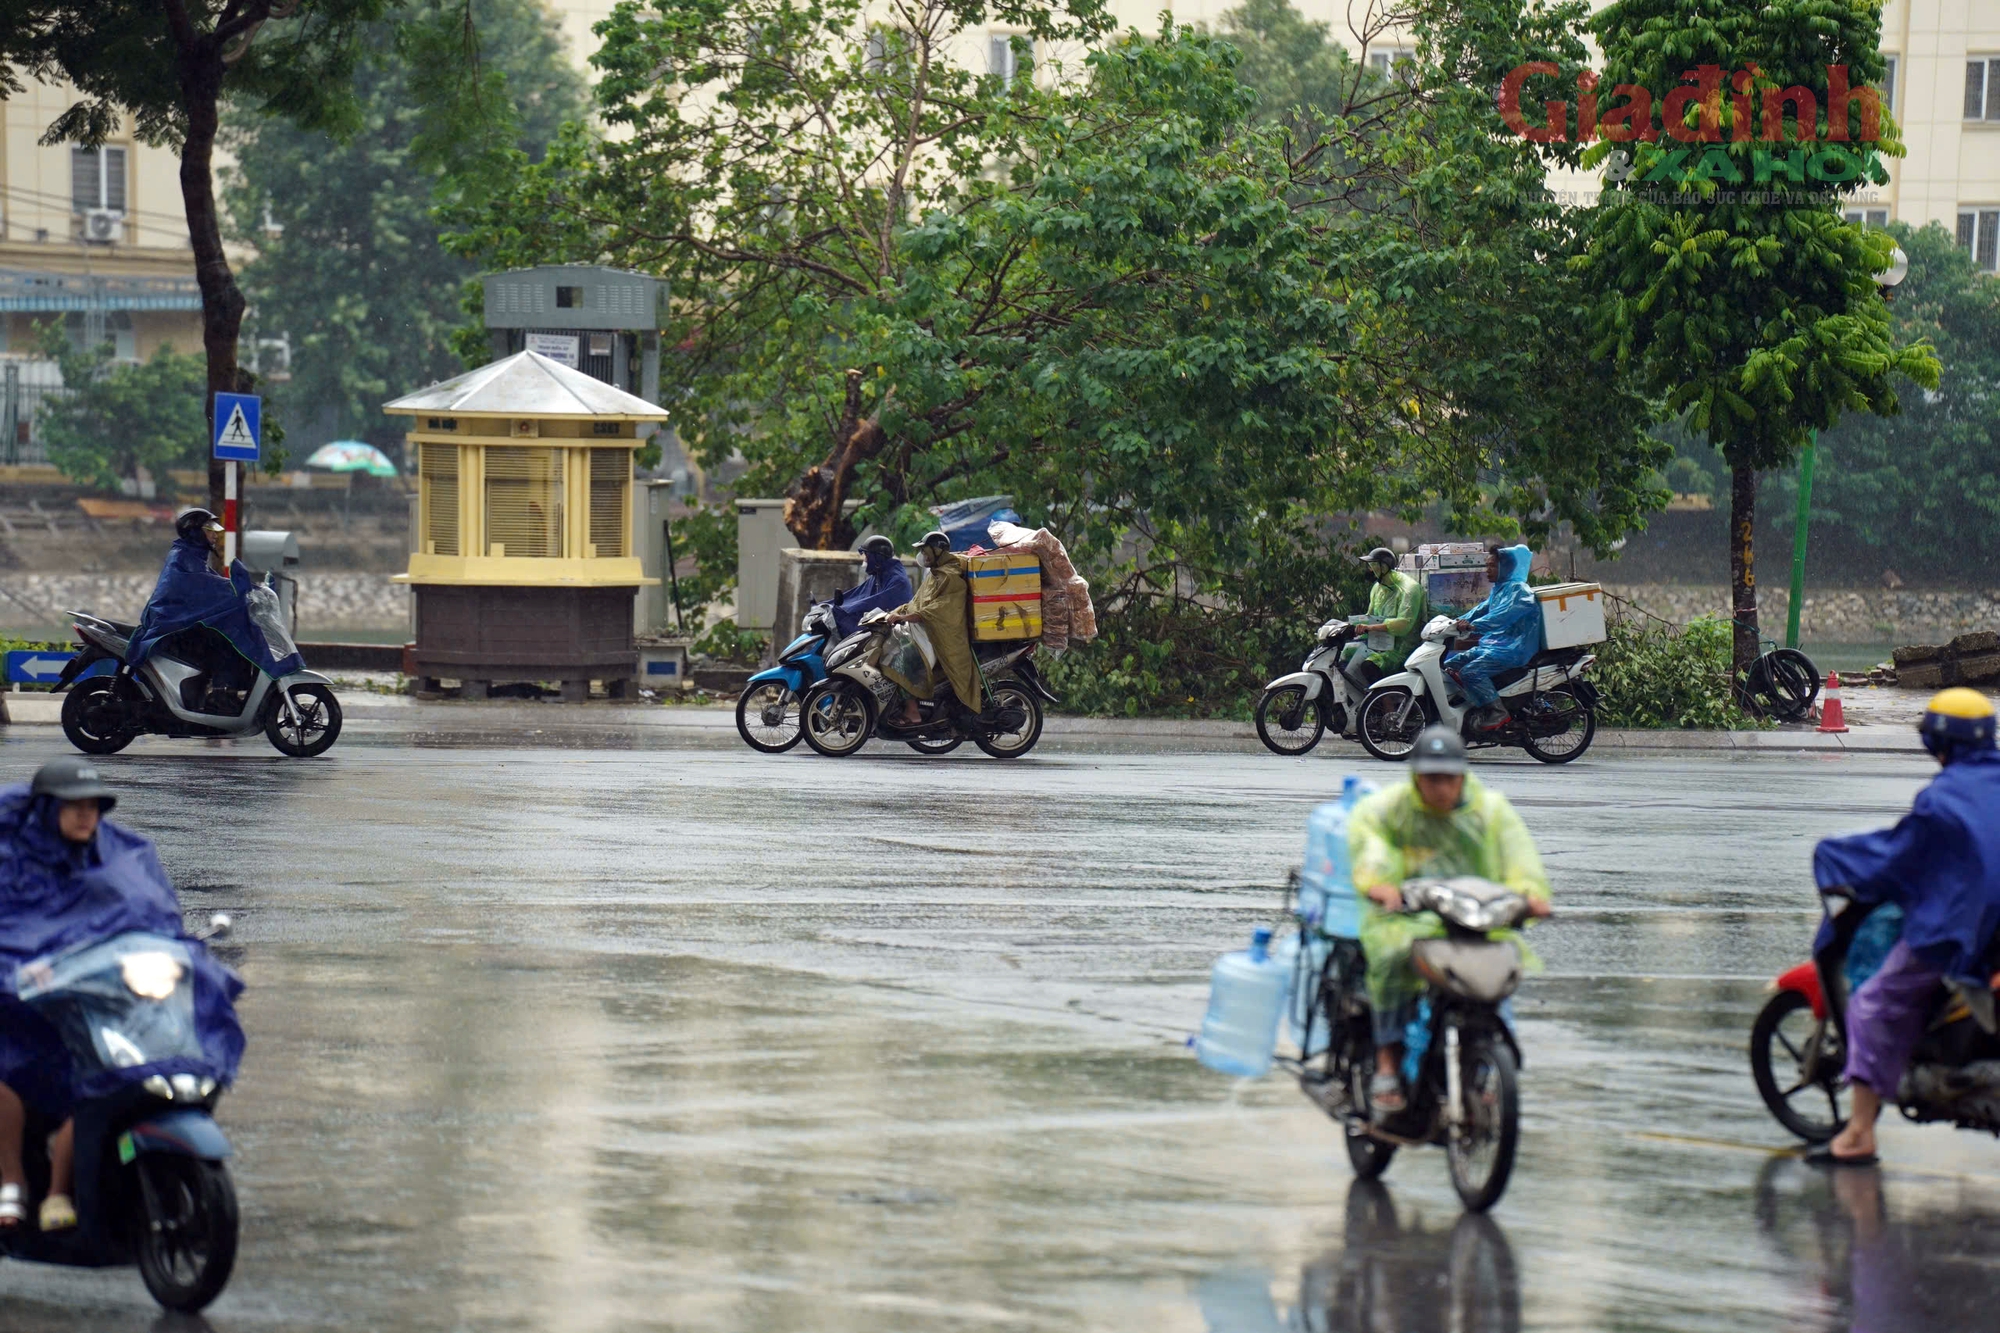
1869 736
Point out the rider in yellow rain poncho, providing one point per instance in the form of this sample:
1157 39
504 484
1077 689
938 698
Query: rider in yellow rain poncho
940 607
1442 822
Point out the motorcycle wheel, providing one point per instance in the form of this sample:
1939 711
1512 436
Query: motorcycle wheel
1287 722
1779 1040
1580 728
753 717
1013 744
318 726
1480 1148
86 711
936 744
837 717
1368 1155
1380 735
187 1242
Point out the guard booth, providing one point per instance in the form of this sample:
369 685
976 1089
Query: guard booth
524 567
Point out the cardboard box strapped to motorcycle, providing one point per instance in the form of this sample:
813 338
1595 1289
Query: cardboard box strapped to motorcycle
1572 614
1006 592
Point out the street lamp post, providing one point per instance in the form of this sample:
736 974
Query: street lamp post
1899 268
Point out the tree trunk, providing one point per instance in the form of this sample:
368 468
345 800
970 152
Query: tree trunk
201 71
1747 643
813 504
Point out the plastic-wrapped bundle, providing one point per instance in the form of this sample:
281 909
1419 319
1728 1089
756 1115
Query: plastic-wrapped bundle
1082 615
1055 616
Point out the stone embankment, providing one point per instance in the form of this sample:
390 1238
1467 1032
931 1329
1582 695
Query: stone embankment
329 603
1873 615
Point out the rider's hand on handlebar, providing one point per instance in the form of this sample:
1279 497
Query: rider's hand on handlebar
1540 907
1387 897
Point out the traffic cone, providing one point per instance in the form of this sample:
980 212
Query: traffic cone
1831 718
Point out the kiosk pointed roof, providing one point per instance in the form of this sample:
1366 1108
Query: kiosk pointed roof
527 384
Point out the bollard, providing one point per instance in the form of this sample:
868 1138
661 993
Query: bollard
1831 718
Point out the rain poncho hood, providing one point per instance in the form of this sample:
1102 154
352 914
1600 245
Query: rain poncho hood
1509 622
1940 864
189 594
56 896
940 607
884 591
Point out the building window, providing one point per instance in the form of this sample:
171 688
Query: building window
1982 88
610 483
1000 56
438 479
1979 236
97 178
1889 83
1398 61
1869 217
524 502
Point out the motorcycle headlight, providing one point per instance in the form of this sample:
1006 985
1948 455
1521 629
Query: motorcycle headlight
150 976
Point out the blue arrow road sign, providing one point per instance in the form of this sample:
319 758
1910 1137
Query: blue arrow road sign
238 426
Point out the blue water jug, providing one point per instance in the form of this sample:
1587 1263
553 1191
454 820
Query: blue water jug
1326 881
1246 998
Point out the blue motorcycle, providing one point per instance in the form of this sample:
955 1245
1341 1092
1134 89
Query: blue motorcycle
767 712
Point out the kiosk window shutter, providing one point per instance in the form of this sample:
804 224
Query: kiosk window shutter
610 482
438 466
524 502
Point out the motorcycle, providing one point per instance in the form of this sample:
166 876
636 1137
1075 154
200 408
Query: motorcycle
1798 1045
151 1177
1465 1095
841 713
1551 708
166 696
767 712
1321 696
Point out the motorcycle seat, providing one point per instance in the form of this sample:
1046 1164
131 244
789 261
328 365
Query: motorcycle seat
1546 657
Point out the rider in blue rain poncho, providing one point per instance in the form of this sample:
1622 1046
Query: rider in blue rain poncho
1509 625
886 587
190 600
69 877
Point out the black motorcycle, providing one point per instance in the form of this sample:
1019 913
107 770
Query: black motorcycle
151 1182
1466 1095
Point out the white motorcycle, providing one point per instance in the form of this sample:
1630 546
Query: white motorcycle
1319 697
1551 708
166 696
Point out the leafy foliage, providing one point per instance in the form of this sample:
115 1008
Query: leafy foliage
1654 676
356 275
708 535
117 417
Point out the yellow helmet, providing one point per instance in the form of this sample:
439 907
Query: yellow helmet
1957 719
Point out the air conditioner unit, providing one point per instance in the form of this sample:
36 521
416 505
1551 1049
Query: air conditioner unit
102 226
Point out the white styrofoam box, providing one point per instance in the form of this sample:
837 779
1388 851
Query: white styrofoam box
1572 614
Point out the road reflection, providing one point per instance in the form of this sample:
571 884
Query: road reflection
1937 1268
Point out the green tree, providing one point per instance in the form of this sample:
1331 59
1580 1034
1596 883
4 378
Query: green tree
353 270
1742 299
1922 488
116 418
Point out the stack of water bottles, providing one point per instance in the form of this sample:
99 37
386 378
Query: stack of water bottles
1252 990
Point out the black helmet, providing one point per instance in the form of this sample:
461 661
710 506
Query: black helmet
936 541
877 547
1381 555
190 526
72 778
1438 750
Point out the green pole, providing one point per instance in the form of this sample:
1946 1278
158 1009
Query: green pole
1806 461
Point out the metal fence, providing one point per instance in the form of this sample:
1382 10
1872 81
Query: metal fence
22 400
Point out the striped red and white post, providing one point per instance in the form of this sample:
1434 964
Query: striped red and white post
228 512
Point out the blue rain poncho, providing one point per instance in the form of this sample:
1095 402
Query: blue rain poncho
1940 864
1509 621
883 591
189 594
56 896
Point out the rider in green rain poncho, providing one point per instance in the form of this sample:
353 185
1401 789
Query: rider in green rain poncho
1442 822
1396 605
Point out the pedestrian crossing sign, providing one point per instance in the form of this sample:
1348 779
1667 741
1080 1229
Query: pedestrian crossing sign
238 426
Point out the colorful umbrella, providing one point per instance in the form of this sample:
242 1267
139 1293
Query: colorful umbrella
352 456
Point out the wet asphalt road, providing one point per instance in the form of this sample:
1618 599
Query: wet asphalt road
609 1031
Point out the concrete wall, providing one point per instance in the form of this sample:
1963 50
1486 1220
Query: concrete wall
1837 615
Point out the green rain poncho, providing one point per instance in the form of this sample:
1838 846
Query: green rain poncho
940 607
1399 604
1393 836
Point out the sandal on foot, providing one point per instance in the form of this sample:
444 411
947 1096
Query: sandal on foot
13 1211
1827 1157
58 1213
1385 1094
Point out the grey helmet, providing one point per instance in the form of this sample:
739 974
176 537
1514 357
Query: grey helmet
72 778
936 541
1438 750
1381 555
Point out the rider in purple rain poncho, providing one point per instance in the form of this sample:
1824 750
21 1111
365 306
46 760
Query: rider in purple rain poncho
203 614
886 587
1509 626
1941 865
70 878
